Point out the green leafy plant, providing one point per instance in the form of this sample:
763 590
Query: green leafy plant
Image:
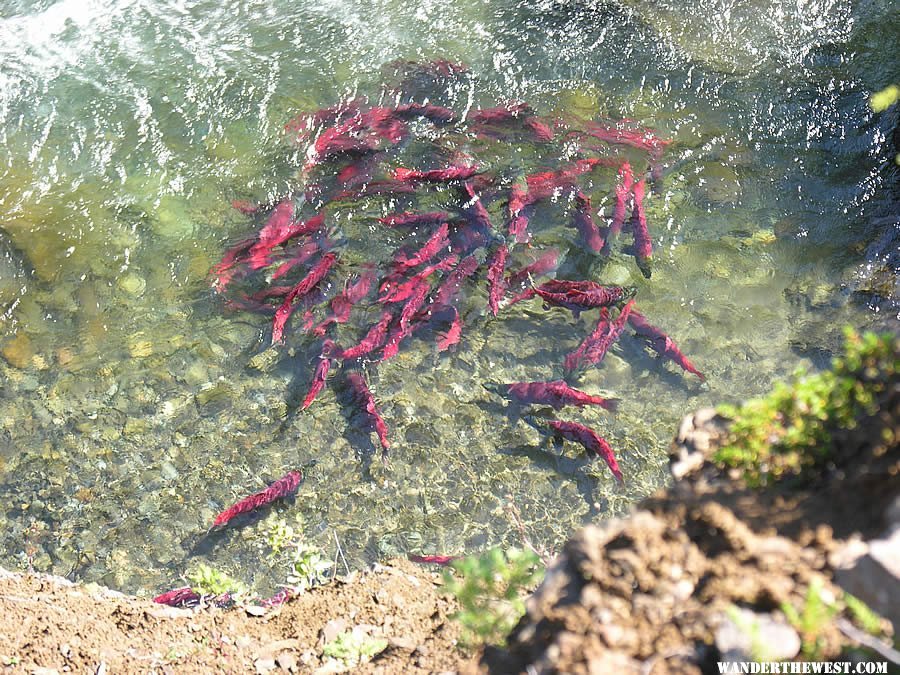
279 537
811 620
788 432
307 566
863 615
490 589
884 99
354 648
207 580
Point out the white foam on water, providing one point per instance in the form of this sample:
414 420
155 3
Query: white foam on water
34 44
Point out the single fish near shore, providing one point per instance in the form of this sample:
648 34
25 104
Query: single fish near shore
590 440
179 597
279 598
643 246
285 486
594 348
363 397
442 560
312 279
661 343
579 296
325 361
555 393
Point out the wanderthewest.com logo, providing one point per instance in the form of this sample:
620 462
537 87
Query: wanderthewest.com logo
788 668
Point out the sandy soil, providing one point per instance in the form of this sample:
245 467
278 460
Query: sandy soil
48 624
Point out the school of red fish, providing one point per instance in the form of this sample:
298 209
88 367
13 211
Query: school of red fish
477 226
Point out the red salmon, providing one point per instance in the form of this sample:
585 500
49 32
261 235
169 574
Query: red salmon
283 487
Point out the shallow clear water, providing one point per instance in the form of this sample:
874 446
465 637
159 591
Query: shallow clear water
130 412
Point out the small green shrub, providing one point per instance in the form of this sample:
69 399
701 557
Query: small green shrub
207 580
353 648
863 615
490 589
308 567
279 537
788 432
884 99
811 620
306 564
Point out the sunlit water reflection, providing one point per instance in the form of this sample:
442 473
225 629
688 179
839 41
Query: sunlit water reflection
129 412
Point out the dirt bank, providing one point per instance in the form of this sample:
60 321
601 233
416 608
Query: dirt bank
48 624
709 563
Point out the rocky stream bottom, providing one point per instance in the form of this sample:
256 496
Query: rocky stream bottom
699 572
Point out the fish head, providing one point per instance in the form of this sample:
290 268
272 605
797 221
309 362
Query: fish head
495 388
537 424
644 266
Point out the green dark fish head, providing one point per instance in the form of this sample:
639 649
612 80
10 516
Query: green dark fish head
495 388
644 266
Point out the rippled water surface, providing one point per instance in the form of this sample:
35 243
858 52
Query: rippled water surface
134 406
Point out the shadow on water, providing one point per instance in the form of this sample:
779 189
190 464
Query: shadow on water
641 356
561 465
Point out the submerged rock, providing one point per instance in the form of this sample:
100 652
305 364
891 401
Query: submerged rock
13 272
